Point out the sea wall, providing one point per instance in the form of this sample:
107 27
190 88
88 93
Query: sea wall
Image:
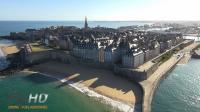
129 73
147 99
149 86
43 56
37 57
134 74
143 75
107 66
64 57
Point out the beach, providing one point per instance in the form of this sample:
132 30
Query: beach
98 83
66 99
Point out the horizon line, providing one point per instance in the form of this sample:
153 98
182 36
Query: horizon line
111 20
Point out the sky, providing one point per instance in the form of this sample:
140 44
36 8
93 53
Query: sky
100 10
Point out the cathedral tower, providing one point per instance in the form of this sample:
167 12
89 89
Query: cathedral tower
86 24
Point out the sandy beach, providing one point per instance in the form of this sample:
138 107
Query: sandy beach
98 83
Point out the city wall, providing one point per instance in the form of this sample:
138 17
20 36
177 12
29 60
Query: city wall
134 74
64 57
147 99
149 87
44 56
143 75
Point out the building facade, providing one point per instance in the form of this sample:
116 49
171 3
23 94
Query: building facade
133 60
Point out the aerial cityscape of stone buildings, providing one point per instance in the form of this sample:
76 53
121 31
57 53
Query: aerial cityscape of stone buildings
128 48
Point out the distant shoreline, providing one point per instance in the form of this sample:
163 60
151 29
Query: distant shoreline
6 27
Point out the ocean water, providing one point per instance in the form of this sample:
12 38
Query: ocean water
180 91
19 26
15 91
4 42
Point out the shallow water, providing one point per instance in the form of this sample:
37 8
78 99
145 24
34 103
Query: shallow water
15 90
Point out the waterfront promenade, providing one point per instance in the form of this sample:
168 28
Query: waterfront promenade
187 54
149 86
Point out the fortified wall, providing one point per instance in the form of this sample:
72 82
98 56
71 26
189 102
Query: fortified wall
44 56
64 57
143 74
135 74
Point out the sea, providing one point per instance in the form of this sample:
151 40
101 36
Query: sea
19 26
178 92
16 90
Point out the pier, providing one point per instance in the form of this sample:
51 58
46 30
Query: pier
149 86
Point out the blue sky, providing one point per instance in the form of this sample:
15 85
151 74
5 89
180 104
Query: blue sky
99 10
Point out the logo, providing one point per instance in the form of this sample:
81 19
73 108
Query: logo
38 98
30 101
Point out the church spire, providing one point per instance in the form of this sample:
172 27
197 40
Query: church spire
86 24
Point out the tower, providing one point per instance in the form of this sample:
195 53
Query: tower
86 24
